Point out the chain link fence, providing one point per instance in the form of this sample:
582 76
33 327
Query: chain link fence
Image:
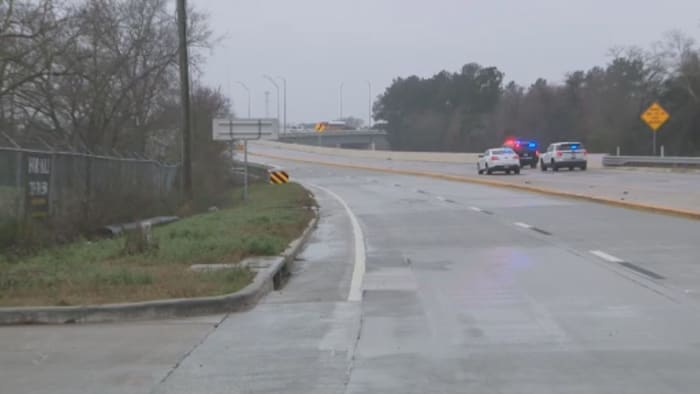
69 192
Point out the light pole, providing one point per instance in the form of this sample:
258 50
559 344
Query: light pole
247 91
340 100
369 104
185 100
277 88
284 87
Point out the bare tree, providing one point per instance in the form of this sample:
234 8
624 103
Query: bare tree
28 32
93 73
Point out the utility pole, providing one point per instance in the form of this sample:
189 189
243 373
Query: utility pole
284 87
185 98
267 104
277 88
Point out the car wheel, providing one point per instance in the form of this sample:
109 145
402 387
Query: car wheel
533 164
543 167
583 167
517 171
507 172
488 170
571 168
478 169
554 166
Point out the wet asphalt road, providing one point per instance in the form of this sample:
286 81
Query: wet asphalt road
661 187
468 289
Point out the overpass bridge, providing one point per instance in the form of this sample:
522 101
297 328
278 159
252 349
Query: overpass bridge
349 139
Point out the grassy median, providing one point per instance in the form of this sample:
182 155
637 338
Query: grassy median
101 272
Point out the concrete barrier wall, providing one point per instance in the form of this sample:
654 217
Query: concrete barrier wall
594 159
651 161
378 154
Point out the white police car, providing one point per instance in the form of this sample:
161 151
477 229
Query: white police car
564 155
498 159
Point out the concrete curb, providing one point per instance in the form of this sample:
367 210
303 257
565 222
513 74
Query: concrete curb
535 189
265 281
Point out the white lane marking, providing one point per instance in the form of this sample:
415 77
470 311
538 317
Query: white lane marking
475 209
606 257
358 271
523 225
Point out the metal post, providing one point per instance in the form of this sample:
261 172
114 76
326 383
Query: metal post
663 153
653 151
245 170
21 187
88 189
284 87
618 151
232 143
277 88
53 178
230 128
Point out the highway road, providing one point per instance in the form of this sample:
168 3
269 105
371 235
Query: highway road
661 187
467 288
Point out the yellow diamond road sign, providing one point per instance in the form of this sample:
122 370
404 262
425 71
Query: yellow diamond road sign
655 116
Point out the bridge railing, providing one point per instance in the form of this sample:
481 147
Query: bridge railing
651 161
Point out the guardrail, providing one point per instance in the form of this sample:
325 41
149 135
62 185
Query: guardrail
651 161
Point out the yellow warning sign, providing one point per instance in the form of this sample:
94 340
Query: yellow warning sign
655 116
321 127
279 177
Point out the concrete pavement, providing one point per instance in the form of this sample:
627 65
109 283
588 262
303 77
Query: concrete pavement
475 289
109 358
468 289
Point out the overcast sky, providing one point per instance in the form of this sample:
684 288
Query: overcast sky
319 44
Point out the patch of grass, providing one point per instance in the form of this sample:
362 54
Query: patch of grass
86 272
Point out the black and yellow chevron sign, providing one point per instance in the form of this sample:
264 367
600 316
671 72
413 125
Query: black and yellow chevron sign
279 177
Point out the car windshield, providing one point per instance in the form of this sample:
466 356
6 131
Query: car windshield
350 196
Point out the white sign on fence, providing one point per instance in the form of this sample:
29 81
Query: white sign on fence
244 129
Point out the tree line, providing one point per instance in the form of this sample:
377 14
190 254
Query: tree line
474 109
